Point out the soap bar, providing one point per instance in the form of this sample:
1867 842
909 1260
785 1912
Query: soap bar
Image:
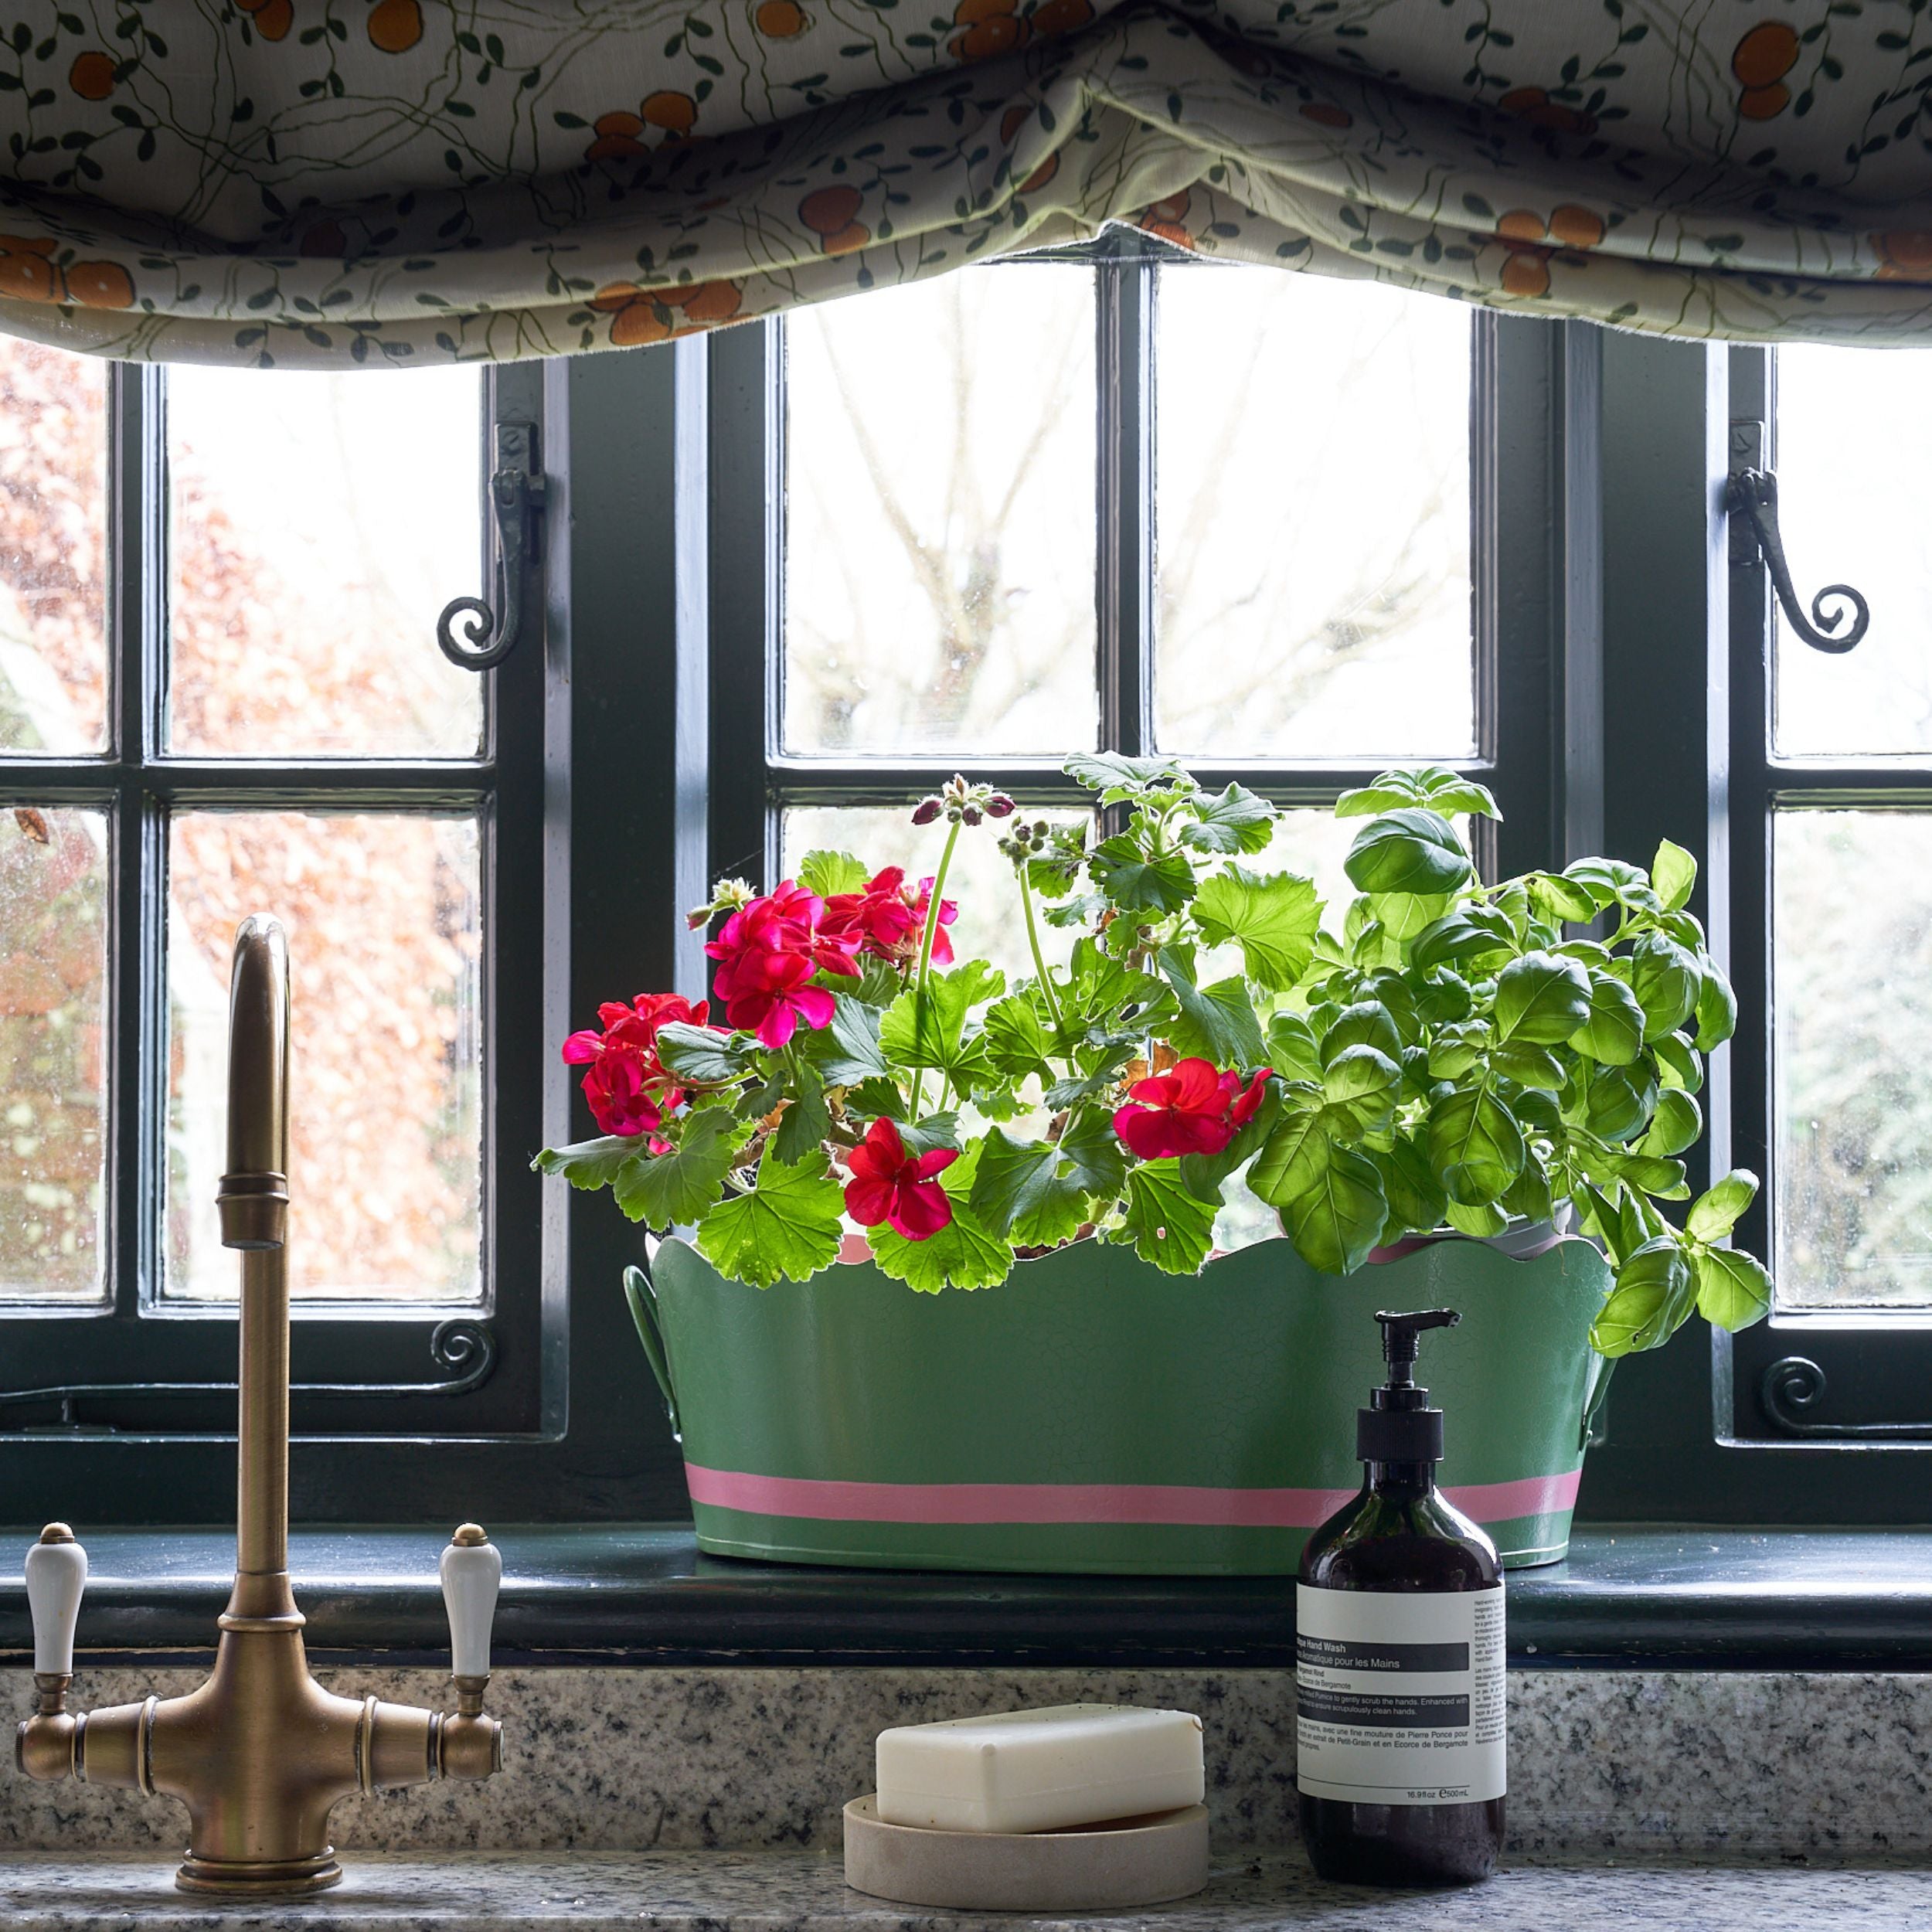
1040 1771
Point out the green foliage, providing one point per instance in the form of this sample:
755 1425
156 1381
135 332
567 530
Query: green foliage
827 872
1441 1052
786 1228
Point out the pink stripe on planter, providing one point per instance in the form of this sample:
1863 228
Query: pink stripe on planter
1072 1502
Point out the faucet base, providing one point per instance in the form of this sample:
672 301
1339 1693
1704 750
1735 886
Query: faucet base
260 1878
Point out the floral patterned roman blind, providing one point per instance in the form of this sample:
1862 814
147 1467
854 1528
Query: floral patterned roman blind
337 182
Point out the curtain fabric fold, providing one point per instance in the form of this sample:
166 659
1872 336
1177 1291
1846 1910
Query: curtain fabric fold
333 183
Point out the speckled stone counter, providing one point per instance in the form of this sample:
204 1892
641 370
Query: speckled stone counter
1631 1764
804 1891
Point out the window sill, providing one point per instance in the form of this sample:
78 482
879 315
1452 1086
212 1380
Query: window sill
1631 1595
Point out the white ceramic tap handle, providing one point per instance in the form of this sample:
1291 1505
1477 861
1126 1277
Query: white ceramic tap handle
472 1569
56 1574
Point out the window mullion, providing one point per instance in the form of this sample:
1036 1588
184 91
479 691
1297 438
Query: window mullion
137 545
1123 365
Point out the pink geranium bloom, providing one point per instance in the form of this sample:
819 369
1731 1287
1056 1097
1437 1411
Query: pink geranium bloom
1190 1109
890 1185
888 920
628 1089
769 950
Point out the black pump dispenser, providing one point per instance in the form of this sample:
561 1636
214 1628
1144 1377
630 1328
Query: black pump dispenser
1398 1647
1398 1425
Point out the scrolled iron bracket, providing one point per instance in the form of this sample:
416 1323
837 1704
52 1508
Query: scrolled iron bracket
1795 1383
1750 498
464 1350
518 488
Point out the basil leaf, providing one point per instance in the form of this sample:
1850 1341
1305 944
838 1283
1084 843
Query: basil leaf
1720 1208
1407 852
1676 1124
1733 1290
1358 1092
1650 1302
1613 1032
1474 1145
1716 1005
1673 875
1542 999
1417 1203
1366 1023
1666 981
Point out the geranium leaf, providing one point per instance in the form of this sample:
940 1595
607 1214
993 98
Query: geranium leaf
1231 821
1273 918
1137 881
1118 777
847 1052
1093 1154
1016 1036
667 1190
933 1032
703 1053
1216 1022
807 1121
827 872
591 1164
963 1254
1019 1191
786 1230
1168 1225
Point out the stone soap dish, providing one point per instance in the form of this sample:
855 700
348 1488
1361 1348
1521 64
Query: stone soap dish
1137 1861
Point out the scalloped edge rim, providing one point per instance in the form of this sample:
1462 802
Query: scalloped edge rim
1086 1243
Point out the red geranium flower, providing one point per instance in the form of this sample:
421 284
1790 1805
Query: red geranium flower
627 1085
1190 1109
888 921
770 949
888 1183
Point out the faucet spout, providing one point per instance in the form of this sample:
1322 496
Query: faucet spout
253 1203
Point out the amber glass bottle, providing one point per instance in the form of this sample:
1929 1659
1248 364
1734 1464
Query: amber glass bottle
1399 1658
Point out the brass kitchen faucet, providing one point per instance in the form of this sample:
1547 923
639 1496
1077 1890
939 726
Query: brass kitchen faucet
259 1753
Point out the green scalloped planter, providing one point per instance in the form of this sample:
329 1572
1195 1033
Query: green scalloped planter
1091 1414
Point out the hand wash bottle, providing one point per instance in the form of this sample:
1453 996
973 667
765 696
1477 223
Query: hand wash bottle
1398 1658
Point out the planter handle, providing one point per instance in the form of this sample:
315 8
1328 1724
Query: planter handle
643 1311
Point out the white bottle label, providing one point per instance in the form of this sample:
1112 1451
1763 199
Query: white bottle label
1399 1698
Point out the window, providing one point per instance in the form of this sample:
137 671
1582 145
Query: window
1099 498
220 693
1832 781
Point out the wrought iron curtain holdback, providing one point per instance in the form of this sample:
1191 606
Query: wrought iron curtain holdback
517 489
259 1753
1751 498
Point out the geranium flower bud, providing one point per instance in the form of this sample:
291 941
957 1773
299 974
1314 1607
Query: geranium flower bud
970 816
926 811
999 806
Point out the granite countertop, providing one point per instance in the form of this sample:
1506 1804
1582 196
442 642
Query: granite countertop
804 1891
